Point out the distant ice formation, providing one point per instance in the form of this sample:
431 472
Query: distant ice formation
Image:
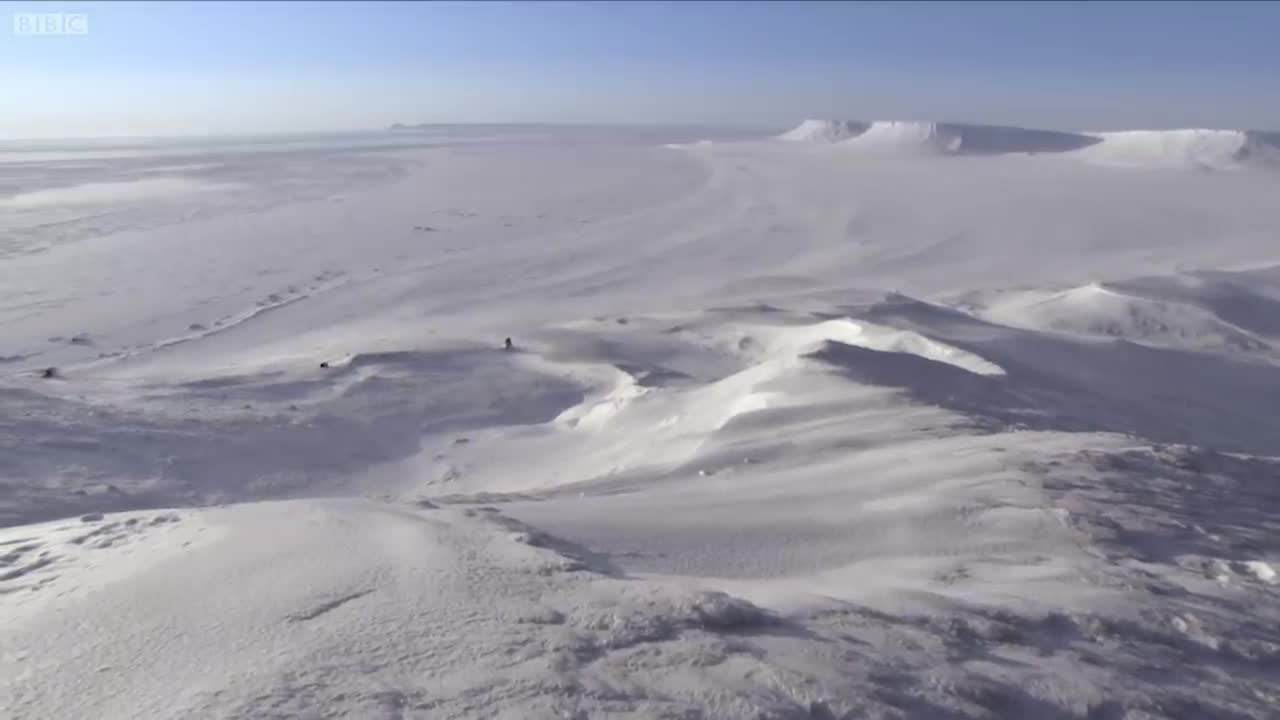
1186 148
824 131
935 138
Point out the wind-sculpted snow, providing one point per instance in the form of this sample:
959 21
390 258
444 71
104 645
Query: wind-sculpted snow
782 431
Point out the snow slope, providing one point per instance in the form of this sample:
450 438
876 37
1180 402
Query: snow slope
783 434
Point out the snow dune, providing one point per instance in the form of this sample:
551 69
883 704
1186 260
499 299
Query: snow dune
784 433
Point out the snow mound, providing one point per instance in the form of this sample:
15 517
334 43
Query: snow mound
1186 148
804 340
932 138
629 426
824 131
1102 311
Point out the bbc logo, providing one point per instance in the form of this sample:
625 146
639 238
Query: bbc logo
50 24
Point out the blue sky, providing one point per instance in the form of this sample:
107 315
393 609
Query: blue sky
173 68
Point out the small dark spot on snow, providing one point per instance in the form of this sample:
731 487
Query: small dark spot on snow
91 517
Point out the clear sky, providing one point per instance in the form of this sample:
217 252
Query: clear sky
177 68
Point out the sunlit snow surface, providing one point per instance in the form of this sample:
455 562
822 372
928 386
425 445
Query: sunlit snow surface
979 424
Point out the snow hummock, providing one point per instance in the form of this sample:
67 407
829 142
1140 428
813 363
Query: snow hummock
823 131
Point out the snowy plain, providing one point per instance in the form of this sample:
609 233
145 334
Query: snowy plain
868 420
